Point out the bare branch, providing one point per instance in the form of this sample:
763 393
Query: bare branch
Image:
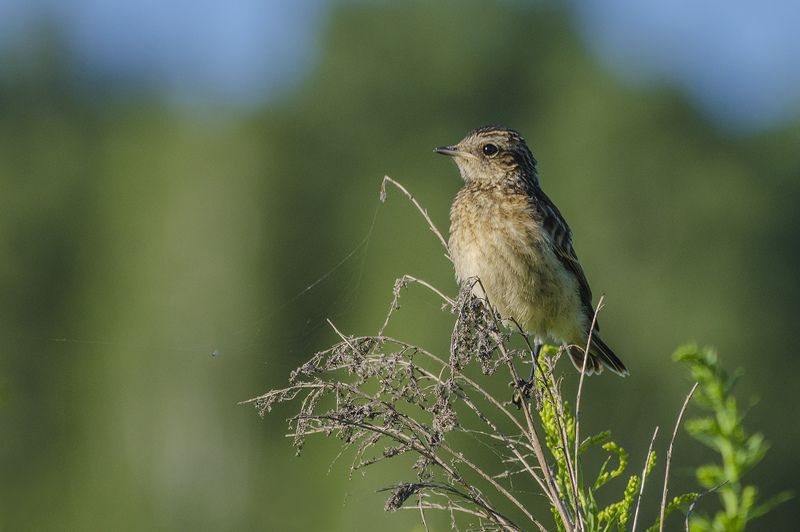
669 456
552 491
578 405
401 283
422 210
644 476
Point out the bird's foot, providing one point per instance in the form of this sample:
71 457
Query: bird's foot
522 392
523 388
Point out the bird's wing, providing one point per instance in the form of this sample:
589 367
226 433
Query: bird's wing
561 237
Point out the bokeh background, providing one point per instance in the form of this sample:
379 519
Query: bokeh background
188 189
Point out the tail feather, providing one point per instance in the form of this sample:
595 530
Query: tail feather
600 355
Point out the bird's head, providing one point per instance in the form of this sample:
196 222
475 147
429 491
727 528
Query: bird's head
493 154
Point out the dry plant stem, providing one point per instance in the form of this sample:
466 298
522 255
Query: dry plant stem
497 433
481 473
491 514
414 444
429 286
343 337
644 476
572 467
475 468
669 456
583 375
436 506
554 495
486 395
422 513
578 407
414 436
499 487
571 470
423 211
552 487
401 283
505 439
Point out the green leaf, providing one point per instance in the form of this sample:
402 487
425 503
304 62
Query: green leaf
605 476
771 503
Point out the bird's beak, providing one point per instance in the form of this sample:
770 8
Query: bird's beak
451 151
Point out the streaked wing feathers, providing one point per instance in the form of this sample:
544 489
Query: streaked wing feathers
561 237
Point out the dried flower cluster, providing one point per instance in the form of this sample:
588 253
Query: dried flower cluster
386 397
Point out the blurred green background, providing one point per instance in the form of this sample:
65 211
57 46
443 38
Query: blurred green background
166 256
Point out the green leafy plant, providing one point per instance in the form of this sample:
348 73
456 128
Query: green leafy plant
560 426
722 430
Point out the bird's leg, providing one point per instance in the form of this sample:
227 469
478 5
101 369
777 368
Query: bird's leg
526 386
537 348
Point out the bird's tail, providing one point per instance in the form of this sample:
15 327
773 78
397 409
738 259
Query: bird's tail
600 355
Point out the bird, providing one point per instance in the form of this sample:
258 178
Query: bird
506 232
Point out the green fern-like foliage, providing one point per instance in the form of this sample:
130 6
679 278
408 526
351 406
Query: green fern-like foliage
558 420
722 430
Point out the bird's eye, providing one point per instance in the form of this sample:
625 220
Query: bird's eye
489 150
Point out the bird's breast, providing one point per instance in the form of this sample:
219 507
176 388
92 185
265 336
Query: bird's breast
499 239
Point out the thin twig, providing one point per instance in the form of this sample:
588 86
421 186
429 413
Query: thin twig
343 337
429 286
435 506
461 376
554 496
404 439
669 456
578 404
489 512
509 443
497 433
419 207
499 487
422 512
644 476
558 419
424 451
401 283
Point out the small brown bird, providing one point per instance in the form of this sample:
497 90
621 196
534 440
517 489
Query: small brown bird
506 232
